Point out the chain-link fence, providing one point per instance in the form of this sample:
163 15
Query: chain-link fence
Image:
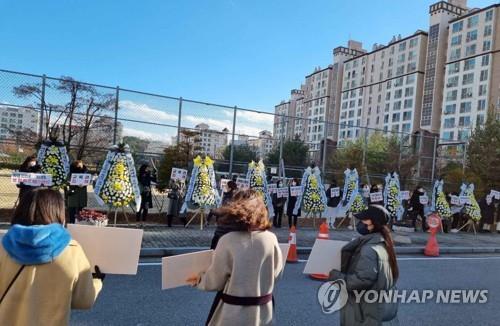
90 118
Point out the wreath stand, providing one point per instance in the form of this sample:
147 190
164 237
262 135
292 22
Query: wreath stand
313 217
471 224
201 212
116 214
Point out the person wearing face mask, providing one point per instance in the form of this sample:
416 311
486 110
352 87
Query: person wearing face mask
368 263
29 165
76 195
145 177
292 218
279 207
416 208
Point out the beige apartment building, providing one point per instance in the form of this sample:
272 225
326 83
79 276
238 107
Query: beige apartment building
438 83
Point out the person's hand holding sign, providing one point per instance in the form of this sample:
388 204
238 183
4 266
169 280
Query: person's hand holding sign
193 280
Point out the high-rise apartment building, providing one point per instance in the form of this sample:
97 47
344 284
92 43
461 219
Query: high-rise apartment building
17 119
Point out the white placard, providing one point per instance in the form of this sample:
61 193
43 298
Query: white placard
282 192
242 183
455 200
274 170
178 174
272 188
424 200
19 177
285 247
325 256
464 200
223 185
80 179
405 194
39 180
495 193
489 199
376 197
335 192
114 250
176 269
295 191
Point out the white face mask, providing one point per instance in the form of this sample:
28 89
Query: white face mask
32 164
294 183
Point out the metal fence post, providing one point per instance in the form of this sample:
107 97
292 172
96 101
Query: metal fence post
325 141
232 145
363 160
42 108
282 128
434 150
179 121
116 113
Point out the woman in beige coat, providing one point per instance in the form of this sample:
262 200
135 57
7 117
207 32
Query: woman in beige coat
43 272
245 267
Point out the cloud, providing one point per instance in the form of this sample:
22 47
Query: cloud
166 138
146 113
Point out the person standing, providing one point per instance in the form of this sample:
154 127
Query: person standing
174 205
145 177
233 187
245 267
29 165
416 208
332 203
43 272
76 195
368 263
374 189
278 207
292 200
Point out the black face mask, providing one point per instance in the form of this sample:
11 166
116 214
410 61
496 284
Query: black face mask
362 228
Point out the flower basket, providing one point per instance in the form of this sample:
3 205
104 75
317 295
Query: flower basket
91 217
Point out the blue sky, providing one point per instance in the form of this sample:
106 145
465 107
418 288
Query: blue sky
232 52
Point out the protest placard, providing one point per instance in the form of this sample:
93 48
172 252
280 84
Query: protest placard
178 174
114 250
335 192
282 192
272 188
39 180
495 194
455 200
223 185
242 183
19 177
295 191
464 200
424 200
80 179
176 269
376 197
405 194
317 264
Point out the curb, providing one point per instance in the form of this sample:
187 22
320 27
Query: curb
171 251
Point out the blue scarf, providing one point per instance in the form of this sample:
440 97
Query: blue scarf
36 244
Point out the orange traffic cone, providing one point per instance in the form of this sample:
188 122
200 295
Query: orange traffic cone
292 252
322 235
432 247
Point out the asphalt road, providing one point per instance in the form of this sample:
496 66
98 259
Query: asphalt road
139 300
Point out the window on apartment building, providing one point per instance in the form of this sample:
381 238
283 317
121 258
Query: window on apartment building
396 117
344 105
411 55
479 120
471 36
389 84
391 50
484 75
463 134
408 91
466 92
345 95
360 92
395 128
412 66
457 27
452 82
370 100
402 46
370 90
351 114
465 107
489 16
380 76
386 118
449 123
481 105
408 103
448 135
406 115
401 58
399 82
472 21
469 64
378 120
360 102
485 60
387 105
413 42
398 93
387 96
343 115
380 87
456 40
379 98
355 63
482 90
359 112
406 127
410 79
390 62
385 128
450 109
486 45
468 79
487 30
464 121
455 54
451 95
389 73
454 68
470 50
400 70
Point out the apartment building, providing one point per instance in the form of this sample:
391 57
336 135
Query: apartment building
381 88
472 75
264 144
17 119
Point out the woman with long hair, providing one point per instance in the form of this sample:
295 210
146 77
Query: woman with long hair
368 263
43 272
246 264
